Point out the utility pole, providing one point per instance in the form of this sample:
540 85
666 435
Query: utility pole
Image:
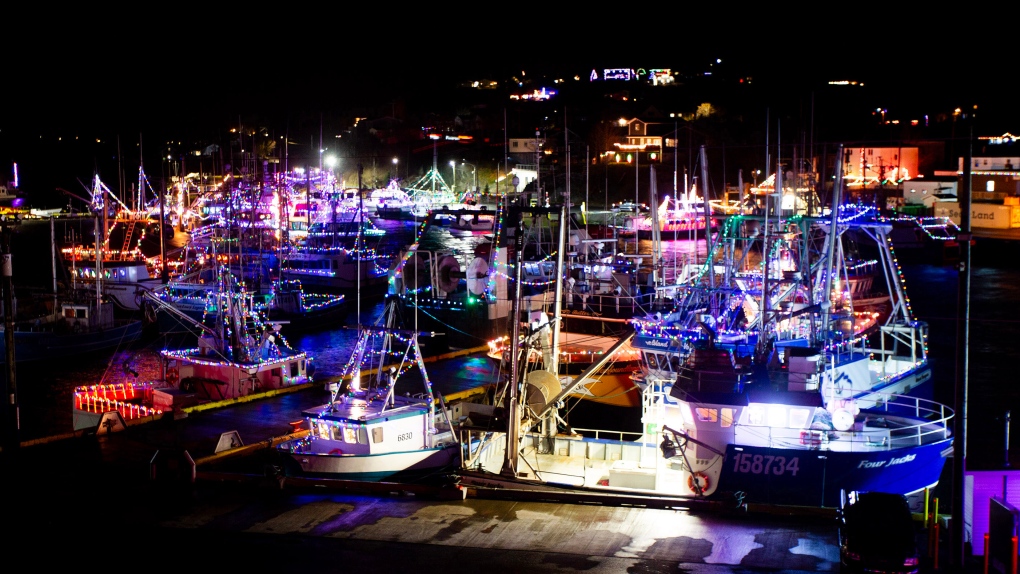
963 237
12 415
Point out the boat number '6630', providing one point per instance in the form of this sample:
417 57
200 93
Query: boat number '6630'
749 463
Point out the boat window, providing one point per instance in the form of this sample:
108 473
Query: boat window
351 434
707 414
726 417
653 361
323 428
777 416
294 369
674 363
756 415
799 417
377 435
685 412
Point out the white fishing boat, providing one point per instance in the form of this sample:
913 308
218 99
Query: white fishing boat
475 219
369 431
808 401
391 196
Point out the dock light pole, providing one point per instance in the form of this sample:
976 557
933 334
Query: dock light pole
474 175
963 237
453 167
12 418
1005 450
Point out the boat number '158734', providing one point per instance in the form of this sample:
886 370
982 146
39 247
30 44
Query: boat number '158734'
749 463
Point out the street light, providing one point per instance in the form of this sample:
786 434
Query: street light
474 175
453 166
395 174
331 162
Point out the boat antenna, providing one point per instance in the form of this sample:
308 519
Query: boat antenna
357 240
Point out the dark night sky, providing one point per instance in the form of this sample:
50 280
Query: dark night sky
157 77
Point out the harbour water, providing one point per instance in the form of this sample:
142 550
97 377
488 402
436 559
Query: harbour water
932 286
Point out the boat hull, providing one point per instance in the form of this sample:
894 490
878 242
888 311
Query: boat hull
30 346
815 478
376 467
214 378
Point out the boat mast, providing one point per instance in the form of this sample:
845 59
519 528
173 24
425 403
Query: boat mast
708 217
53 261
101 231
653 192
553 366
513 431
833 232
357 241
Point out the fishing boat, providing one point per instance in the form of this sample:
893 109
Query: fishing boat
392 199
468 296
773 393
304 311
336 269
66 323
79 324
477 219
336 258
240 352
368 431
614 383
802 298
123 257
682 217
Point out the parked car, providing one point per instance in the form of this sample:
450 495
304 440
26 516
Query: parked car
877 533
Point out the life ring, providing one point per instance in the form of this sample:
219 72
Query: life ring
697 482
336 451
172 375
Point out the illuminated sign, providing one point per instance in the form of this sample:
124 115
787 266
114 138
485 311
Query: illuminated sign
625 74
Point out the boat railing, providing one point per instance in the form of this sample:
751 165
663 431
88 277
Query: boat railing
600 434
891 422
615 304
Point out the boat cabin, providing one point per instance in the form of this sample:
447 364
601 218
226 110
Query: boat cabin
355 426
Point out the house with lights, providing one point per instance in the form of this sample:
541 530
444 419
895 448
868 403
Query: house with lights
643 143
